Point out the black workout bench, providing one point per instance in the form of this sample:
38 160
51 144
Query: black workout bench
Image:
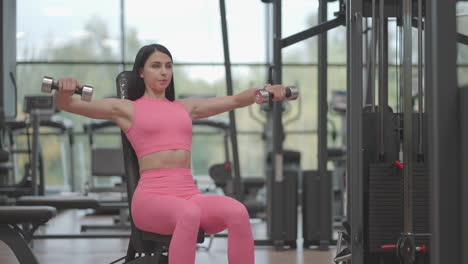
17 237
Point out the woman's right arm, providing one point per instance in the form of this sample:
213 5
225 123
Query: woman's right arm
109 108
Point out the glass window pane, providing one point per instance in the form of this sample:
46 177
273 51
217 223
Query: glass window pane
246 30
296 17
191 30
300 117
208 146
57 162
68 30
102 77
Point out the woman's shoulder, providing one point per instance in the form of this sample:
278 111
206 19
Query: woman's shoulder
122 103
125 112
186 102
121 107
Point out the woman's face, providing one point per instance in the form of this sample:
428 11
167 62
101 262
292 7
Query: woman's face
157 72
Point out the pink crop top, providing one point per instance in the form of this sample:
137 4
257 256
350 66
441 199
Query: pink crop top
159 124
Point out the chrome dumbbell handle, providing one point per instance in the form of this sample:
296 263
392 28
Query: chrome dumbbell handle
48 84
263 96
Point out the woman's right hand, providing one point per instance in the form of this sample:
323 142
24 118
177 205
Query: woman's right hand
67 85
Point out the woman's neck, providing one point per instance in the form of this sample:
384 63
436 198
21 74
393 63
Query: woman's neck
154 95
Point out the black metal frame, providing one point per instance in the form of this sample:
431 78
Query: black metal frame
444 136
354 15
325 211
276 177
11 236
17 225
232 116
464 169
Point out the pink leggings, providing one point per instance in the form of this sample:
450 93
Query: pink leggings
167 201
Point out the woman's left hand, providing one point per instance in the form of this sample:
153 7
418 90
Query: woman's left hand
278 91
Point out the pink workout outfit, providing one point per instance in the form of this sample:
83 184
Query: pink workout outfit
167 201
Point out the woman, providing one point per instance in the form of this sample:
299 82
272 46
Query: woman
166 200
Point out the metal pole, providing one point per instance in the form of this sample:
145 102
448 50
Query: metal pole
35 122
447 243
232 116
383 76
268 34
373 55
276 217
322 125
366 57
71 141
407 117
367 54
277 106
420 79
354 127
122 33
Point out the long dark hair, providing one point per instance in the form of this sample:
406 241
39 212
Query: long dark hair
142 56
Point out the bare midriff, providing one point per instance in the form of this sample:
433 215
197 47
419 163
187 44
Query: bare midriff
174 158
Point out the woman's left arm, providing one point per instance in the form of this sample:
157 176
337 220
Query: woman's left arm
206 107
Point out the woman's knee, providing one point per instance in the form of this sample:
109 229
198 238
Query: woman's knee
237 212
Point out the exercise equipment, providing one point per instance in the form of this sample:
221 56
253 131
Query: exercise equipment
337 154
14 228
282 199
48 84
222 174
387 167
107 163
42 105
276 177
262 96
39 110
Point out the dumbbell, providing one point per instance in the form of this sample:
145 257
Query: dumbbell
263 96
48 84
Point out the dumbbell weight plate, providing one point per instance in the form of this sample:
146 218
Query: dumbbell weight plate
87 93
48 84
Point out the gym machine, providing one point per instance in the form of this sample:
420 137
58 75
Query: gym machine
317 222
404 166
39 109
395 213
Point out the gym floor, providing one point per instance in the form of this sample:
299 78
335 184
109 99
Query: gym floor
79 251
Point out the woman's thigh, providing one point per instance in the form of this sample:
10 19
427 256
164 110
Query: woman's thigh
160 213
216 211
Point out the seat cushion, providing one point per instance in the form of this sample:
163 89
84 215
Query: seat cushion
166 239
26 214
254 206
60 202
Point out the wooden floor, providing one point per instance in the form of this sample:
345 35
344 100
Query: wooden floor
79 251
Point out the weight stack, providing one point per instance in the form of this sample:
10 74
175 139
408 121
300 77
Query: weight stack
386 209
421 203
316 209
282 201
385 205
